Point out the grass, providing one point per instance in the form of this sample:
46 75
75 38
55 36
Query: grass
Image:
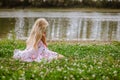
81 62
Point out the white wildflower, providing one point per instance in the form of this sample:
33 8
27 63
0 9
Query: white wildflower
66 59
74 64
65 77
71 76
115 72
3 77
1 67
93 75
103 77
10 79
91 66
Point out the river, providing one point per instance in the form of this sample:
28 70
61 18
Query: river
62 25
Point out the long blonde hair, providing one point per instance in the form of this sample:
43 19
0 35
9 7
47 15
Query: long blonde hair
37 31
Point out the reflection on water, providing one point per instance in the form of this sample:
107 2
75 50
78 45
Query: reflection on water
63 25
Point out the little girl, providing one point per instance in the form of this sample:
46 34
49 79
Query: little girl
36 47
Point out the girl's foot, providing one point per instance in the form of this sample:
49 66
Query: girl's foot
60 56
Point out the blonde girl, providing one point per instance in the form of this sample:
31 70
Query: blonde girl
36 46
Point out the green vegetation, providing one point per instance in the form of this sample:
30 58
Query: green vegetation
60 3
82 62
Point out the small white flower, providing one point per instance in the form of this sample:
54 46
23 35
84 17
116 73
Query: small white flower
71 76
59 69
65 65
115 72
3 77
103 77
66 59
41 73
65 77
1 67
33 75
10 79
68 68
74 64
91 66
93 75
64 71
98 67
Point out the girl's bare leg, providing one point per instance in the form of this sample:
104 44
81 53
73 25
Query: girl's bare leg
60 56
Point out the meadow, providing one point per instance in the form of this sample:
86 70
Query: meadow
81 62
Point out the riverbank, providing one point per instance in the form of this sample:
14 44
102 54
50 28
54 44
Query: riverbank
82 42
65 10
85 62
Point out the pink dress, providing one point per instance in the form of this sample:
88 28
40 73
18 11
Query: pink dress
30 54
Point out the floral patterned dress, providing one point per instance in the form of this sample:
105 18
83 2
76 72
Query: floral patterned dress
30 54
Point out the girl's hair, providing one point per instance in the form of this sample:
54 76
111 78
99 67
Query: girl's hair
37 31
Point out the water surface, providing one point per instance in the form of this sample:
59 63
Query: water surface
63 25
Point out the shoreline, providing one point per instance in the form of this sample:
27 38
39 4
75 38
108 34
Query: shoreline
65 9
82 42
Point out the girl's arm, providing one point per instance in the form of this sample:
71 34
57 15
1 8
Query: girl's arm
44 39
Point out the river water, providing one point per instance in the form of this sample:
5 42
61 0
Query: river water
62 25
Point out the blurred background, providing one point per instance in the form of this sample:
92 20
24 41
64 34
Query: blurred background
86 20
60 3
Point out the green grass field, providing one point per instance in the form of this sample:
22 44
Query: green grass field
81 62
